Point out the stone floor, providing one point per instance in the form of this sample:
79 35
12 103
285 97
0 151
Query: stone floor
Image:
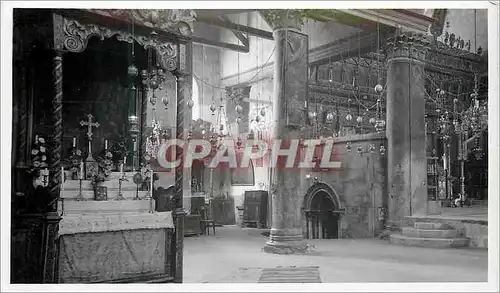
234 256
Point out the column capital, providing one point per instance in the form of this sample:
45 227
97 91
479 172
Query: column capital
284 18
408 44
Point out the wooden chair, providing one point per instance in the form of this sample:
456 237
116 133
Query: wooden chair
206 222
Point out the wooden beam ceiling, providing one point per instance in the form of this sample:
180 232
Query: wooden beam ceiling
238 34
234 47
236 27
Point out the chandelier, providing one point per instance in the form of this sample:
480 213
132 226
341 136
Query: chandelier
472 121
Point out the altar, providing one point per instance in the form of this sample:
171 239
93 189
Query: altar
114 240
90 136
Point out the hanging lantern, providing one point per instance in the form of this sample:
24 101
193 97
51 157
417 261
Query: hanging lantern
213 108
154 84
164 100
330 74
257 119
359 149
329 117
372 121
238 120
190 103
372 148
379 89
348 117
379 125
382 149
263 112
348 146
132 71
239 109
152 100
359 119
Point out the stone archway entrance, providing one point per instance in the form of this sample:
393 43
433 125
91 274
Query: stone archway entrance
321 213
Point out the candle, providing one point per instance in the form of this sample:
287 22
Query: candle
151 182
445 163
124 160
62 178
106 144
90 147
81 171
121 168
74 142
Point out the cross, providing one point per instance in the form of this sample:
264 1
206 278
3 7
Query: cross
90 124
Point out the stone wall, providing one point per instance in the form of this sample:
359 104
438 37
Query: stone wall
360 184
207 74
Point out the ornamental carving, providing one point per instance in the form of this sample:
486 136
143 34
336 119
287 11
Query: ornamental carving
179 21
75 37
408 44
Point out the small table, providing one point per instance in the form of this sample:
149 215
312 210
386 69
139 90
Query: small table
205 226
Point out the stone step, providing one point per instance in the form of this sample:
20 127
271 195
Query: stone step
425 233
428 242
429 226
105 207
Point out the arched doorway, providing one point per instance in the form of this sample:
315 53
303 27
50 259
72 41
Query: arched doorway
321 212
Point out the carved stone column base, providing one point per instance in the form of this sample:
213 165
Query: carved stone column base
286 244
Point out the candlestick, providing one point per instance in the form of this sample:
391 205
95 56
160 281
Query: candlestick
90 148
74 142
106 145
151 183
80 176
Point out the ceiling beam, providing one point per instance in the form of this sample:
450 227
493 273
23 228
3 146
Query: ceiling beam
239 35
237 48
236 27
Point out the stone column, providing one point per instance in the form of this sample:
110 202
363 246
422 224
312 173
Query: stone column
290 94
407 163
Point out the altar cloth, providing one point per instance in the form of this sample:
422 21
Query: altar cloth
127 256
76 224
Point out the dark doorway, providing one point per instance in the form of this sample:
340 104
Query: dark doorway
322 217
